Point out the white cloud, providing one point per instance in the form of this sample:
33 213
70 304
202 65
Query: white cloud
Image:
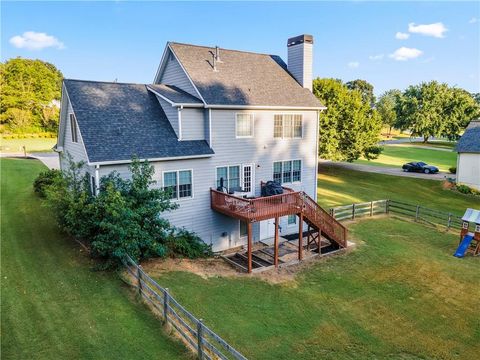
401 36
376 57
353 64
436 30
473 20
32 40
404 53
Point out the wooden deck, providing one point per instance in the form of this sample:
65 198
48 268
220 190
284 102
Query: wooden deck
273 207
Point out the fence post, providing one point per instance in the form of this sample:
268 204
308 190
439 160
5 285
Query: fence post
200 338
417 212
353 211
165 305
332 212
387 206
449 223
371 208
139 274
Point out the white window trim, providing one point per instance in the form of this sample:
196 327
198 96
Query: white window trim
73 123
240 231
292 160
253 125
283 128
295 224
178 198
228 173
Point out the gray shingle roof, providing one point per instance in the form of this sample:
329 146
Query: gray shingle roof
243 78
174 94
117 121
470 140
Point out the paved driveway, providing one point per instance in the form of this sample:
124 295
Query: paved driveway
385 170
50 159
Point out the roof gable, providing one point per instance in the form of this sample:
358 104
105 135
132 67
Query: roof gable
470 140
242 78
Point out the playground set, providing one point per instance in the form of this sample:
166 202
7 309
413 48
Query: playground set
469 242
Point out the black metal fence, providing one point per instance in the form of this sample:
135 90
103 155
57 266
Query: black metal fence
207 344
417 212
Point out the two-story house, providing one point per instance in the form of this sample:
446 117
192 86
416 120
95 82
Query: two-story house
212 117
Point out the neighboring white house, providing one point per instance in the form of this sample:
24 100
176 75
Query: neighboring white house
211 115
468 160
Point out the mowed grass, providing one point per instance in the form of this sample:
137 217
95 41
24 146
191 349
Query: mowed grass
338 186
400 295
31 145
53 305
397 155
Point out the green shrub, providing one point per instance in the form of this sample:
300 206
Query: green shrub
464 189
185 243
123 219
44 179
453 170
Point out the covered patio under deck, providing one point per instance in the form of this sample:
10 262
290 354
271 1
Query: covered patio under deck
320 223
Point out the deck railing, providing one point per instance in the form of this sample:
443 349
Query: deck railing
289 203
257 209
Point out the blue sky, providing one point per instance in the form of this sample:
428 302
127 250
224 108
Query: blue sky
125 40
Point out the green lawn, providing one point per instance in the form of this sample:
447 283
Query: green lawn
397 155
400 295
53 305
31 144
337 186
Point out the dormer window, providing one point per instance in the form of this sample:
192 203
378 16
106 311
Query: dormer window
244 125
73 128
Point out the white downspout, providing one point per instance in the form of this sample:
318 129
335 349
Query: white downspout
180 108
317 137
97 179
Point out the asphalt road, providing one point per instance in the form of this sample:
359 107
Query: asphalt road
396 171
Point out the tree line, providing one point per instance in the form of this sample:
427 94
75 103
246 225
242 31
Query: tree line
350 127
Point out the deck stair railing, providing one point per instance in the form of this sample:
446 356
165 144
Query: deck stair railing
289 203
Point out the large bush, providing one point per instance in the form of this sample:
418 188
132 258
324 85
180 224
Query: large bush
123 219
44 180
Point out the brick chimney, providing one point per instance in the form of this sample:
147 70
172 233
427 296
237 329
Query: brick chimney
300 59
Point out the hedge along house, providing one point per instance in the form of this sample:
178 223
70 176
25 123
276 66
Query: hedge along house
468 159
212 117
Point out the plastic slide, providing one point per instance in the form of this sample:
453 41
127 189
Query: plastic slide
462 248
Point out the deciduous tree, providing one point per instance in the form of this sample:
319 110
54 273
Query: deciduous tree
349 128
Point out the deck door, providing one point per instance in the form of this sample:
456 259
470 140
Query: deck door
248 179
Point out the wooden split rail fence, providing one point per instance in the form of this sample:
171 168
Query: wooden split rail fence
207 344
418 212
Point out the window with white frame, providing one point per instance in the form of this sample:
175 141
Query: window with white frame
73 128
243 228
287 126
178 184
244 125
228 177
292 219
287 171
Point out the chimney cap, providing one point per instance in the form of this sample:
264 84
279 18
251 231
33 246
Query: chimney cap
300 39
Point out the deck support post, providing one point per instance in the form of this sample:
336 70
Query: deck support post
275 244
300 237
249 234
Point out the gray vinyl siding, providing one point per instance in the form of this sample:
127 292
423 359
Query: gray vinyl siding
193 124
76 150
173 74
172 114
195 213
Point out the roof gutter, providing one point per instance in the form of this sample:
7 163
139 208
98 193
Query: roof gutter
117 162
264 107
173 103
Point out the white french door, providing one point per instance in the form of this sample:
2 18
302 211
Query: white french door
248 179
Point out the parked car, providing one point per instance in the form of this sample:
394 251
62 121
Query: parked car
420 167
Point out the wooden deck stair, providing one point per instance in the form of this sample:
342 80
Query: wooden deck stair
288 203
